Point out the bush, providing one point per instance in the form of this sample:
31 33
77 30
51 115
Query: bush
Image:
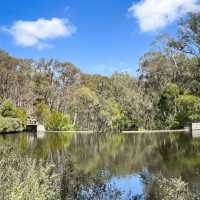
169 189
7 109
8 125
54 121
24 178
59 122
12 119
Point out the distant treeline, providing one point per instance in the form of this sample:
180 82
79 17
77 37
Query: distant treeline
164 94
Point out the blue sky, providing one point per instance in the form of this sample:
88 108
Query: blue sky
98 36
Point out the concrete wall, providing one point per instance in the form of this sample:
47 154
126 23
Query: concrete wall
40 128
195 130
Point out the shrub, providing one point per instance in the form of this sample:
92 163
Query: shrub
7 109
173 188
54 121
59 122
12 119
8 125
169 189
24 178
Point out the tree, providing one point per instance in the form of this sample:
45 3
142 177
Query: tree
167 106
21 114
111 115
188 36
188 109
42 113
85 108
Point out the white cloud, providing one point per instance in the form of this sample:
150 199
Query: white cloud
156 14
37 33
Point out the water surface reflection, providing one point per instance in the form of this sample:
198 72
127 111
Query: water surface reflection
121 158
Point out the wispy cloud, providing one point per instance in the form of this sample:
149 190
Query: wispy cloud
38 33
155 14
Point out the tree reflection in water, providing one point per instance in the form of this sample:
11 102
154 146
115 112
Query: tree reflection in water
96 160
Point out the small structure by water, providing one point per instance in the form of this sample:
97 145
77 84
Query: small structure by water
34 126
195 129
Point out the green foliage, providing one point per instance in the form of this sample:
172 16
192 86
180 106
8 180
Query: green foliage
112 114
21 115
7 109
133 102
25 178
22 177
12 119
52 120
167 106
84 108
8 125
85 95
42 113
171 91
188 109
59 122
96 102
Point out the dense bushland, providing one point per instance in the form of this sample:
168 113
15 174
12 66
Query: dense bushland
164 94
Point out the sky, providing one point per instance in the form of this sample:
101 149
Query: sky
98 36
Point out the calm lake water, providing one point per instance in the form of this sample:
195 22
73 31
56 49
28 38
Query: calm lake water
123 159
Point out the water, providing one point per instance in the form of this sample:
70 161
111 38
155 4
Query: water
122 159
